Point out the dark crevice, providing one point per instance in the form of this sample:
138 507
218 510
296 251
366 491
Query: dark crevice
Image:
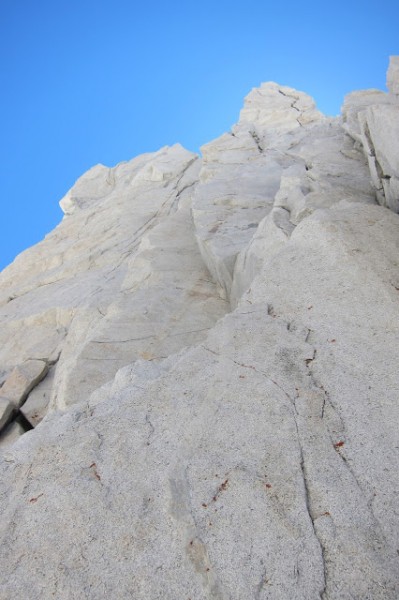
23 421
175 201
372 154
256 139
271 312
17 415
262 583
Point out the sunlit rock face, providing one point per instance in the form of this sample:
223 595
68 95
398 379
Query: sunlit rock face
372 119
120 278
205 352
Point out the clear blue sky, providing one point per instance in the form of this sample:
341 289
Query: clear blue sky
92 81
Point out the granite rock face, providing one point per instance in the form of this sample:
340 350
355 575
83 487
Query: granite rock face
216 414
120 278
393 75
372 119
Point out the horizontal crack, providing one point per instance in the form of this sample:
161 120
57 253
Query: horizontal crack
146 337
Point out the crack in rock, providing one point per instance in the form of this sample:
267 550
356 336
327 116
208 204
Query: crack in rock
257 141
308 503
196 550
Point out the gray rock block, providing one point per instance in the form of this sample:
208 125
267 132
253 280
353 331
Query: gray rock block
36 405
22 380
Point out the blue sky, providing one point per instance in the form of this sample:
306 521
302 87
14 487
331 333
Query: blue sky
92 81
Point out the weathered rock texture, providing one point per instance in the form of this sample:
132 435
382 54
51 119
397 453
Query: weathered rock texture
210 348
372 119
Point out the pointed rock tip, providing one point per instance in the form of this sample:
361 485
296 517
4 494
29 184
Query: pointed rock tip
272 103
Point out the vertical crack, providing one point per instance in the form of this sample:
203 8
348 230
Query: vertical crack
182 511
151 429
262 583
310 513
175 202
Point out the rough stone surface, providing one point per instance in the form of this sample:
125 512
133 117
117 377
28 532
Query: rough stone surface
36 405
223 383
120 278
357 102
372 119
10 435
380 137
6 410
22 380
393 75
